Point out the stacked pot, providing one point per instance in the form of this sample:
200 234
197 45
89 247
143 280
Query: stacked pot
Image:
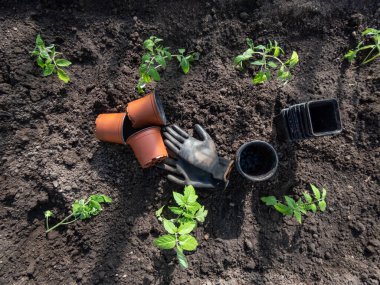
311 119
139 127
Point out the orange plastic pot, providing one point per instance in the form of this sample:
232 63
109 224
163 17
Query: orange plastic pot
148 146
111 127
146 111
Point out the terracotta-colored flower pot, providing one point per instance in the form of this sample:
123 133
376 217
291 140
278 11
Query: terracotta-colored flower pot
111 127
146 111
148 146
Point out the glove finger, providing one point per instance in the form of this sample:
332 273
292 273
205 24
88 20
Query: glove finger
177 136
169 168
176 180
172 139
201 132
202 185
171 147
180 131
170 161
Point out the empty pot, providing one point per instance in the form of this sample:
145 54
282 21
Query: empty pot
112 127
256 160
310 119
146 111
148 146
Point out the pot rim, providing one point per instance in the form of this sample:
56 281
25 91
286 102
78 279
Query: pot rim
264 176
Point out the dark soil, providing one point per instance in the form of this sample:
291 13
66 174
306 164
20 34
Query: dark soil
50 156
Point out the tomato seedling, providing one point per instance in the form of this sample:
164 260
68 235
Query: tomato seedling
81 210
48 61
296 209
371 42
267 59
156 57
188 213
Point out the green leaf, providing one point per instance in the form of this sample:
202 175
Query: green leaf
188 242
351 55
297 214
40 62
170 227
145 58
283 209
146 78
44 54
324 193
201 214
101 198
291 202
181 50
193 207
272 64
322 205
249 42
165 242
276 51
94 207
258 62
313 208
189 194
307 197
293 60
149 44
176 210
260 47
182 259
316 192
269 200
39 41
63 62
186 228
154 74
370 31
161 61
179 198
63 75
284 75
48 69
48 214
259 78
159 211
185 65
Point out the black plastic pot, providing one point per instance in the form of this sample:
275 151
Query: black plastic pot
310 119
256 160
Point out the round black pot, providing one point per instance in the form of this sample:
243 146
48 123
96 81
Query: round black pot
256 160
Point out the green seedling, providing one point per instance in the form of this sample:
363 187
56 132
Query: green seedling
47 59
81 210
302 206
188 213
156 58
266 58
371 42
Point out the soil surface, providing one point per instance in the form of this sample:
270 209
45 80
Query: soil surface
50 156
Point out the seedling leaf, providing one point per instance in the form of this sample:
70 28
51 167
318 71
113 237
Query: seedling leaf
182 259
269 200
48 214
63 75
179 198
170 227
63 62
186 228
188 242
322 205
165 242
316 192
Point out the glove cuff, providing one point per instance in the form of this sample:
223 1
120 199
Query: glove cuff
222 170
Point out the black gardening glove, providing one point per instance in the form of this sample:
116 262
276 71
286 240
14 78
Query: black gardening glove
199 153
183 173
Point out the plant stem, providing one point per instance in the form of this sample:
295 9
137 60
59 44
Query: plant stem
60 223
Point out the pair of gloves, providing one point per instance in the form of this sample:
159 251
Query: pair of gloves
194 162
